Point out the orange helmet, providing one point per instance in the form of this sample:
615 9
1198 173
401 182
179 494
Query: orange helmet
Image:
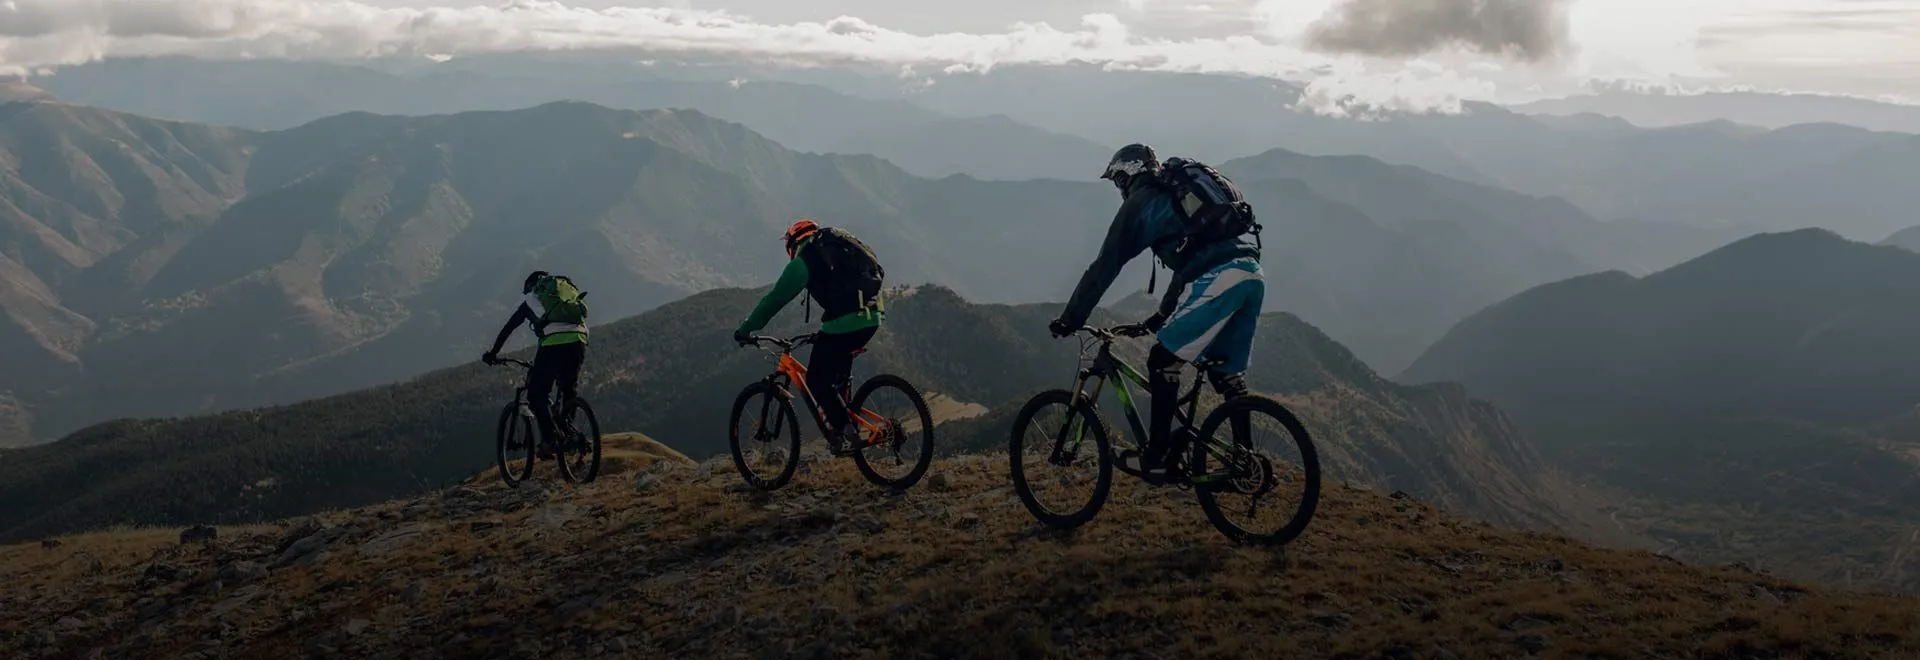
799 232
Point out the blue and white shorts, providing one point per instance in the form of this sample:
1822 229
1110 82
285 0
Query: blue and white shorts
1217 316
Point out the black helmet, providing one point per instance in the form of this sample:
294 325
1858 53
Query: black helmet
532 279
1130 162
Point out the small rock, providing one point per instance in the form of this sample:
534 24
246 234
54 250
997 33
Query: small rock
573 608
869 524
300 530
489 585
1555 565
483 525
50 544
1400 495
1363 521
199 534
1523 623
242 572
95 567
159 572
357 626
1334 620
414 592
968 520
645 482
1533 643
398 538
940 481
68 624
557 515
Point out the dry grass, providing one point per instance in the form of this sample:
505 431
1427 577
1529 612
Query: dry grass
831 567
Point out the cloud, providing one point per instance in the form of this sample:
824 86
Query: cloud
1531 30
1305 41
38 34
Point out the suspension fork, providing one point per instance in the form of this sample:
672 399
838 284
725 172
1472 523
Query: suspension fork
1066 441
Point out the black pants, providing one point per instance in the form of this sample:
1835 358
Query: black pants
553 365
829 371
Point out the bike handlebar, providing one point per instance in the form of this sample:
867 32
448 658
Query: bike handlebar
1109 334
784 344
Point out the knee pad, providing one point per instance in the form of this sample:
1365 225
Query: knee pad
1228 385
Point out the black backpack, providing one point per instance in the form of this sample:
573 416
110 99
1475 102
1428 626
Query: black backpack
845 275
1207 200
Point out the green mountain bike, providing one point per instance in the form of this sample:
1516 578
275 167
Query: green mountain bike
1236 477
516 444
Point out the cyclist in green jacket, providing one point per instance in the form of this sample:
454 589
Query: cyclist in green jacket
551 306
840 273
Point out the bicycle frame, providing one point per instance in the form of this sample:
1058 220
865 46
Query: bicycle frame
1105 366
789 374
555 401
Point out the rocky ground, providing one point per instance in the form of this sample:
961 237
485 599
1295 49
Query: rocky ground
666 558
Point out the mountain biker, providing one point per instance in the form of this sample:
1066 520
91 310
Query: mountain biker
550 306
1218 287
840 273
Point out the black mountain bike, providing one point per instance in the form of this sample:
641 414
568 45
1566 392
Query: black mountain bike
517 444
1231 477
896 430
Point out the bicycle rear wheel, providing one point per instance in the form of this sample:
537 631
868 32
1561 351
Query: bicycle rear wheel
903 440
1269 461
579 451
765 459
514 446
1054 443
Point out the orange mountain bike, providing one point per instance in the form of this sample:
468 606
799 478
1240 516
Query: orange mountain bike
896 429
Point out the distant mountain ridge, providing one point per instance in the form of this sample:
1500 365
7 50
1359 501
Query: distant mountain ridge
1801 324
1713 174
1907 238
1755 108
1754 404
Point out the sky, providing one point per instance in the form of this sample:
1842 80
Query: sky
1394 53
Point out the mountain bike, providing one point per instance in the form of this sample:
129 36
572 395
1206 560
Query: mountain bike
892 415
1220 472
577 452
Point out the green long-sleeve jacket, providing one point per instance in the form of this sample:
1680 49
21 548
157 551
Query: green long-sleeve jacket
793 280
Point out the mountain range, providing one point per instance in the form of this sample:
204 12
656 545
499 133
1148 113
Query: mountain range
1756 402
1753 108
1907 238
1020 121
143 255
672 374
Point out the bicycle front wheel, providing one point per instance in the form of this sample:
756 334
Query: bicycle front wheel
514 444
899 429
579 450
1262 462
767 448
1060 459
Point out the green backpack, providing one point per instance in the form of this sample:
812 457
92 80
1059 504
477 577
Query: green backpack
565 304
